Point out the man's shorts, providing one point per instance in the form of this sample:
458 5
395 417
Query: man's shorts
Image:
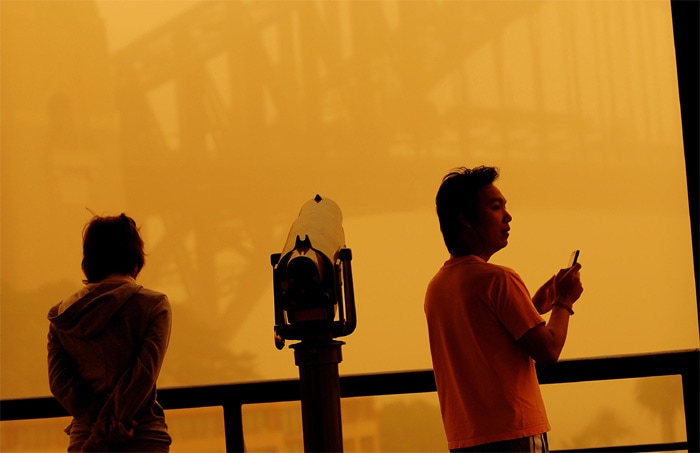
533 444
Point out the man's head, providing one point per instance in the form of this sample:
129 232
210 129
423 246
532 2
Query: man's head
472 213
111 245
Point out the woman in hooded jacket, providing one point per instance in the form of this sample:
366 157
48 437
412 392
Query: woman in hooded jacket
106 346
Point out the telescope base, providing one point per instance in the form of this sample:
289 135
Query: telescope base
320 394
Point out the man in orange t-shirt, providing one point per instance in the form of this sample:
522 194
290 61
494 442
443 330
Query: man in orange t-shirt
485 330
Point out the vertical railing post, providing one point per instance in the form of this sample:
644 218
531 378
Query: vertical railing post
233 426
691 399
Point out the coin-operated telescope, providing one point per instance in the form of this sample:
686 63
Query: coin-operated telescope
315 303
312 277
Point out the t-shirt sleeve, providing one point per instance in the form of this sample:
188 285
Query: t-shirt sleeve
513 305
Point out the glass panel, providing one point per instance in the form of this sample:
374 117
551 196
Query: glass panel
213 122
582 415
200 429
274 427
387 423
410 423
619 412
40 435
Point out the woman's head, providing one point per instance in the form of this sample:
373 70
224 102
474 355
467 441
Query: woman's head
111 245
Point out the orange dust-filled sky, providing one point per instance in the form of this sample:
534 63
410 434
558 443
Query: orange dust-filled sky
211 123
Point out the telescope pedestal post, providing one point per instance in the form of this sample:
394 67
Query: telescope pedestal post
320 394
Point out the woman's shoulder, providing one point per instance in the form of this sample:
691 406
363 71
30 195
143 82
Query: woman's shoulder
148 292
151 297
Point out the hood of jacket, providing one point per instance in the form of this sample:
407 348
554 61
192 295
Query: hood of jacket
90 313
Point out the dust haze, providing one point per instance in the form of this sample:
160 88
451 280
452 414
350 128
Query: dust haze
211 123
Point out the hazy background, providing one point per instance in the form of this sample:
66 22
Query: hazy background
212 122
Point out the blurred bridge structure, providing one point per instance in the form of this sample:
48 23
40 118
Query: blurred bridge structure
250 100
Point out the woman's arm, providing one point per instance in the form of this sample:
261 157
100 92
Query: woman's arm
136 385
65 381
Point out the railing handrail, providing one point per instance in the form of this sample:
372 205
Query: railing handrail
232 397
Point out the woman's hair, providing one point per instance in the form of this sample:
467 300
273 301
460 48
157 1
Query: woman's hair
458 198
111 245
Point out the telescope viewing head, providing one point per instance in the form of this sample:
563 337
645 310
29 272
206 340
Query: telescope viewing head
312 278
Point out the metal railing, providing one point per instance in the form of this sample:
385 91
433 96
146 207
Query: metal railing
232 397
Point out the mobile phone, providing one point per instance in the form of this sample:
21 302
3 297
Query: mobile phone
574 258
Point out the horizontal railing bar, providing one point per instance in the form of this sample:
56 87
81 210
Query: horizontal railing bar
31 408
620 367
233 396
420 381
240 393
391 383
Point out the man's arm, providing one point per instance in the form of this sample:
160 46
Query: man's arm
545 342
543 297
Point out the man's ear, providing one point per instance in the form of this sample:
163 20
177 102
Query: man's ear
463 220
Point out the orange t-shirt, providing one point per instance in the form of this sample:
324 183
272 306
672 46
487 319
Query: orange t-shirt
486 382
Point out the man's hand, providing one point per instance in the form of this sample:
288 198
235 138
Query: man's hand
567 284
544 296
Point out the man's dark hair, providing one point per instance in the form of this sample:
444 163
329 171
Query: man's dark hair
111 245
458 196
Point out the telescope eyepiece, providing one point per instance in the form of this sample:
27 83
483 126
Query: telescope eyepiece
303 272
